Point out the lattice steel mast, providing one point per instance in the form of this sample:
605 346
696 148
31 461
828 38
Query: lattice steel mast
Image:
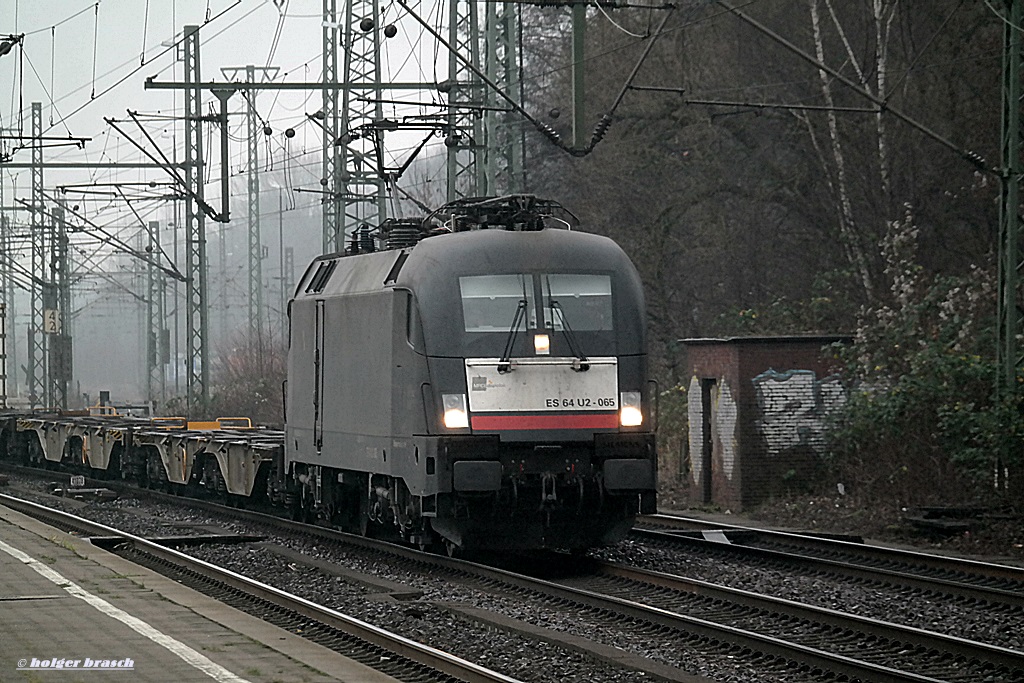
332 164
504 144
57 296
465 138
157 337
37 380
255 251
362 188
197 371
11 337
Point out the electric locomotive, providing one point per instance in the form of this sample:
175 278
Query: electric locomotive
477 379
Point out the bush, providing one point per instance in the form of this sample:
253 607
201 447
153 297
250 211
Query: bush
247 382
673 433
921 425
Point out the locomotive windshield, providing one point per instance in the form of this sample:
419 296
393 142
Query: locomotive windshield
489 302
577 288
581 302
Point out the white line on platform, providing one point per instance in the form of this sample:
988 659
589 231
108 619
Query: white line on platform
187 654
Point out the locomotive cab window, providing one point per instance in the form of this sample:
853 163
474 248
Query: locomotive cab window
491 303
583 302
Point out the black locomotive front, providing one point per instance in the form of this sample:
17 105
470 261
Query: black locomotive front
536 347
486 387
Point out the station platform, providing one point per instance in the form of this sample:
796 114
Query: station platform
70 612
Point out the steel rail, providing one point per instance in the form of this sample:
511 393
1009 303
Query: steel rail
913 636
911 561
410 649
715 632
822 660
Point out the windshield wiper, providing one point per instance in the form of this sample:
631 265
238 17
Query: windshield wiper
580 364
505 364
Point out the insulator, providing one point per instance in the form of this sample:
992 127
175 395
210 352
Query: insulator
402 234
366 244
601 129
551 133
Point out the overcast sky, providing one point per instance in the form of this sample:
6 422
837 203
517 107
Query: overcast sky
86 60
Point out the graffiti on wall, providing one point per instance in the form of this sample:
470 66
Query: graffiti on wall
723 421
695 419
795 406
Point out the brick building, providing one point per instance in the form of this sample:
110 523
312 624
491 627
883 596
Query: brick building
757 410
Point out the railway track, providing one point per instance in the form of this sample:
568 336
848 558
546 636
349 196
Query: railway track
992 583
787 637
935 656
390 653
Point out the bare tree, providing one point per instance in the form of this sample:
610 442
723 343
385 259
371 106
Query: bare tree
249 380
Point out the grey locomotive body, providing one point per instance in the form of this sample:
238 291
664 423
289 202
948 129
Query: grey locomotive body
484 388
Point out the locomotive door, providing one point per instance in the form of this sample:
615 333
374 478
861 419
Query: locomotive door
318 378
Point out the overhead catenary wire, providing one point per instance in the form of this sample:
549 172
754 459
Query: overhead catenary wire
95 45
970 156
603 124
280 144
145 32
277 32
913 63
1002 18
47 91
611 21
112 239
95 96
53 42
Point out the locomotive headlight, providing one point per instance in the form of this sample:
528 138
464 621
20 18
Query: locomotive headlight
455 415
542 344
630 414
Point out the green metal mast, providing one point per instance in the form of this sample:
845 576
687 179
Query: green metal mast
1012 173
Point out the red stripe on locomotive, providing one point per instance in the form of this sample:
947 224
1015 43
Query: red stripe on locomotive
521 422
